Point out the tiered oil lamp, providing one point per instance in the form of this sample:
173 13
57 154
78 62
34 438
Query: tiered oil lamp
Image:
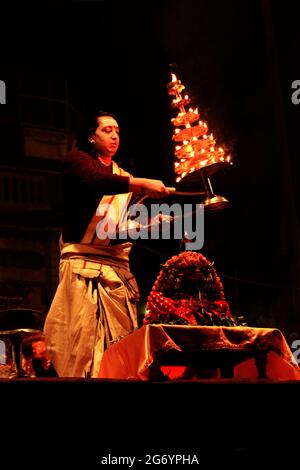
197 155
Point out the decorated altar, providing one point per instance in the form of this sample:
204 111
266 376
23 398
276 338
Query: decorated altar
177 352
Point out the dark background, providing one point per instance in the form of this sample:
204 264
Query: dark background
237 61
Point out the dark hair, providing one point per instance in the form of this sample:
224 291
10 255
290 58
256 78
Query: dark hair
88 127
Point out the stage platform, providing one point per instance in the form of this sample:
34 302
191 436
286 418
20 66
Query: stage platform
85 421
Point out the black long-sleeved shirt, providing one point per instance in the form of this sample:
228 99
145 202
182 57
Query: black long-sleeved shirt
85 181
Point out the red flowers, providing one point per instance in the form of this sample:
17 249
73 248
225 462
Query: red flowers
188 291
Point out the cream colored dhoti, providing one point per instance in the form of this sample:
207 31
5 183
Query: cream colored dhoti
94 306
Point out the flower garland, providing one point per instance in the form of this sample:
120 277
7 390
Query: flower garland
188 291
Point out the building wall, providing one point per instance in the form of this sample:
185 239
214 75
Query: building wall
38 118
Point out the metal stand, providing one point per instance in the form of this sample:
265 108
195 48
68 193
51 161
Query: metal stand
199 183
16 338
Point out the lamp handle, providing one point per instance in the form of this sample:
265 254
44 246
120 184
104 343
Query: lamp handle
185 193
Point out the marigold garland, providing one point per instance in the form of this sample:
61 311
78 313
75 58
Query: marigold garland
188 291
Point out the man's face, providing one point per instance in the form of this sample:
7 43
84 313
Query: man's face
106 136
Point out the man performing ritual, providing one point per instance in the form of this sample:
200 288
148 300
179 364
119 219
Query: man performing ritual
95 302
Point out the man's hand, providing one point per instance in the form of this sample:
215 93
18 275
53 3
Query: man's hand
151 188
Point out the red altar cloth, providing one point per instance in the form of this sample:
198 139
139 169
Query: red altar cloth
174 350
